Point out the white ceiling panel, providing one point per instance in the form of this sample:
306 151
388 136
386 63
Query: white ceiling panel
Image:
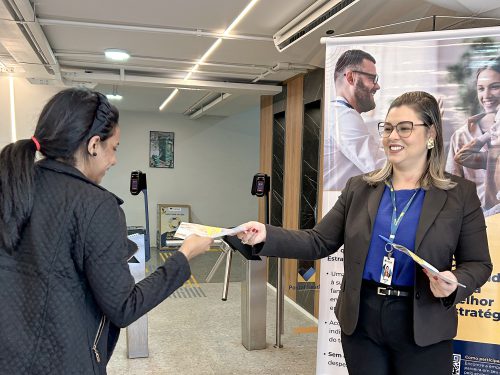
269 16
236 105
157 45
166 38
476 7
213 15
149 98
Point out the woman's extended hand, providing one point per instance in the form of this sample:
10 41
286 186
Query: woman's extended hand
195 245
439 287
253 233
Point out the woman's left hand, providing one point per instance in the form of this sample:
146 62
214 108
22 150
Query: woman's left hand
439 287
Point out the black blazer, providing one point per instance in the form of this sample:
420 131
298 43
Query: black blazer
451 227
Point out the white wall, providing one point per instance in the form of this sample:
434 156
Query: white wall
28 103
5 132
215 159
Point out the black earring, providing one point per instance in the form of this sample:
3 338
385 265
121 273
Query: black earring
94 153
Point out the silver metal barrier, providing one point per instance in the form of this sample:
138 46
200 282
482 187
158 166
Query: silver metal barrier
253 298
254 304
253 294
137 332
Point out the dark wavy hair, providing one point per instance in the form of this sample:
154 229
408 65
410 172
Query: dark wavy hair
492 64
66 124
352 58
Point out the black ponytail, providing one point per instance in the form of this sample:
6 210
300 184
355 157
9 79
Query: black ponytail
66 124
17 170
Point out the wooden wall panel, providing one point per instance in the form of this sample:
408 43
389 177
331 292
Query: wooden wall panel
266 144
292 175
266 147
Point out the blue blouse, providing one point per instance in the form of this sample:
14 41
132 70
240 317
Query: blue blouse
404 268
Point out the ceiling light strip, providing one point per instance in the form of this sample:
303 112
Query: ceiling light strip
209 51
237 20
212 48
170 97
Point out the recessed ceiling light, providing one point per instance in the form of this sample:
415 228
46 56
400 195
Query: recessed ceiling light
114 97
116 54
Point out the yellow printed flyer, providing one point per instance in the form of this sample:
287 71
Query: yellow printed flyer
187 229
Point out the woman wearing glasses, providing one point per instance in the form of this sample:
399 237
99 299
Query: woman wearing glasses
400 321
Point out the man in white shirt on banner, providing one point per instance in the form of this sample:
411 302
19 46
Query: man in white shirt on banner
350 146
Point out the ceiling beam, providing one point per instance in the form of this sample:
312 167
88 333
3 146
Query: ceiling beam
68 65
73 56
134 80
149 29
206 107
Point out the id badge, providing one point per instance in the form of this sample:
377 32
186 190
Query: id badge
387 270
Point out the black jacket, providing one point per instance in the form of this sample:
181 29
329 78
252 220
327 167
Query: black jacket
67 286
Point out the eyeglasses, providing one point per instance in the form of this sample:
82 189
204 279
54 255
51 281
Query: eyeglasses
404 128
374 77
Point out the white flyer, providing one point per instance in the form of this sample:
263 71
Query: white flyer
186 229
424 264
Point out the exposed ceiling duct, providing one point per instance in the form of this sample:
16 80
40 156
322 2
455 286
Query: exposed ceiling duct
148 81
25 42
209 105
313 17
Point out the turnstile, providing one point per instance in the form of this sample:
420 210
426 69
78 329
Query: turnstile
253 294
253 289
137 332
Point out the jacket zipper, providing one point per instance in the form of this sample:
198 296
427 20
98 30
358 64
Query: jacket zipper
97 337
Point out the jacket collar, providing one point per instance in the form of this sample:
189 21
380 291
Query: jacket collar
434 201
60 167
374 202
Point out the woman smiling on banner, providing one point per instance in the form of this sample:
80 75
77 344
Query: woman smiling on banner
475 147
395 318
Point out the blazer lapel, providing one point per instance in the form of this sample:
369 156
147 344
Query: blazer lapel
374 202
433 203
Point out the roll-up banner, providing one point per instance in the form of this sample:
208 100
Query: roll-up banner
461 68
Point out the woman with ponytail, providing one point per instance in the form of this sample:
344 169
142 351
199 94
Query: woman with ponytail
65 283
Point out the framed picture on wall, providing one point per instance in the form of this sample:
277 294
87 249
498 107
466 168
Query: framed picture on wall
161 149
169 218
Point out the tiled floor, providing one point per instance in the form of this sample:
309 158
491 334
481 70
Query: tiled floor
194 332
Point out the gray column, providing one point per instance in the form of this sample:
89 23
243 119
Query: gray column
253 304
